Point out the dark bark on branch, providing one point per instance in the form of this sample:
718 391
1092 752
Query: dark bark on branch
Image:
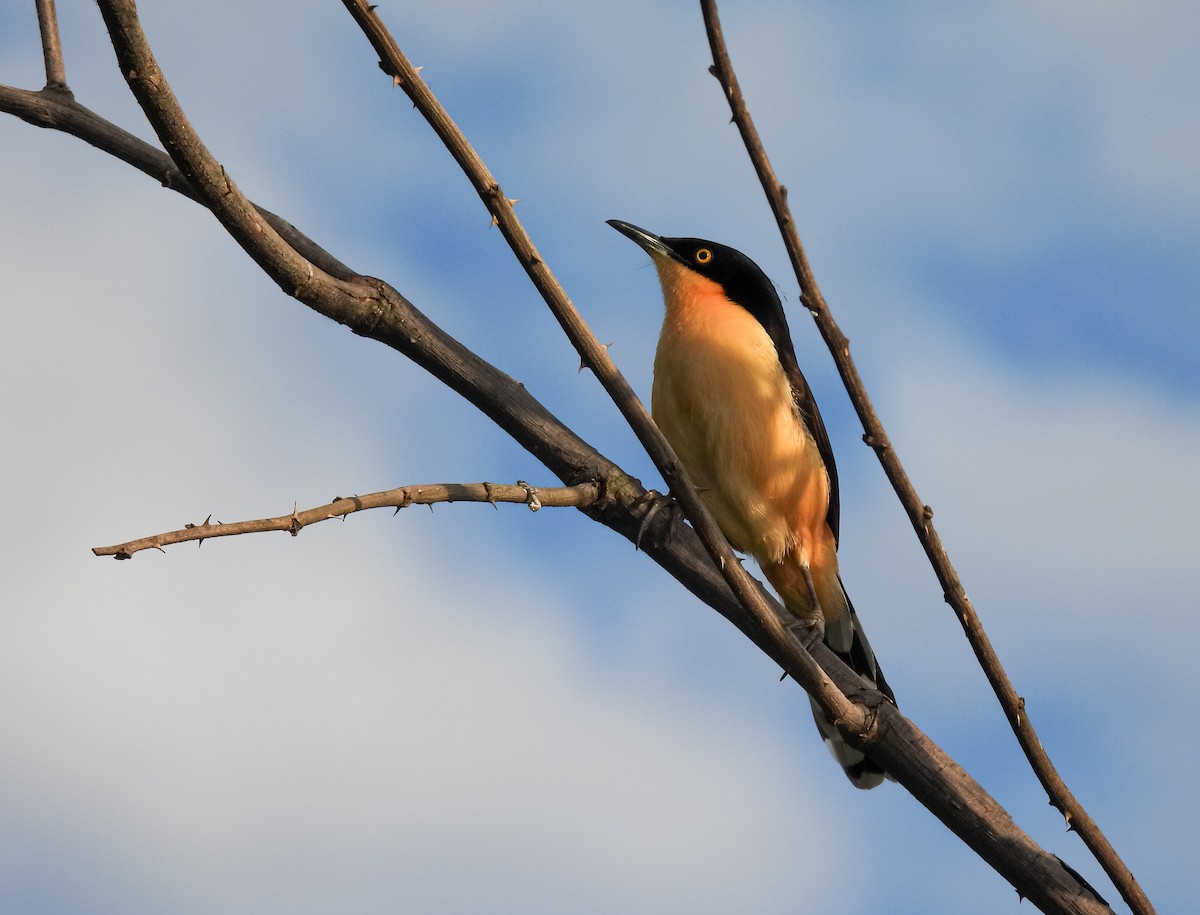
58 110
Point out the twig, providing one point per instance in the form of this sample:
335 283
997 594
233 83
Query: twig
56 73
578 496
595 356
919 513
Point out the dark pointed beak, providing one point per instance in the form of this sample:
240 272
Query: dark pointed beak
649 242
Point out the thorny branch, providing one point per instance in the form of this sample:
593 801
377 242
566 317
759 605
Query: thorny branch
918 512
579 496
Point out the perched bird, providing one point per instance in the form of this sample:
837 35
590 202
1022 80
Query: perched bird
729 396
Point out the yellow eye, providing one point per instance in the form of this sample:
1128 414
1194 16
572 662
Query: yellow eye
703 256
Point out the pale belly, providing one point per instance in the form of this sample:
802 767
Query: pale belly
727 410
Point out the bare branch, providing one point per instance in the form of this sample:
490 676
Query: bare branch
60 111
595 356
920 514
553 497
338 298
56 73
294 273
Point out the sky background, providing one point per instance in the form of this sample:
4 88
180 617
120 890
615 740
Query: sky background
469 710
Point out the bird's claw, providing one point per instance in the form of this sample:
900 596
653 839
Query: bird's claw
808 631
656 501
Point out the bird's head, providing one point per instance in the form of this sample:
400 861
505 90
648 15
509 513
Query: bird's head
687 266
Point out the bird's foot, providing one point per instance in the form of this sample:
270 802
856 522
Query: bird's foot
808 631
661 514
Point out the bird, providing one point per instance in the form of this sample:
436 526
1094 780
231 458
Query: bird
730 398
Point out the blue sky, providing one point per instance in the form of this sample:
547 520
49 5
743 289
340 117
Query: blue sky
498 711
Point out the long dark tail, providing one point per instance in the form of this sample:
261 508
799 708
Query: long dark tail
849 642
